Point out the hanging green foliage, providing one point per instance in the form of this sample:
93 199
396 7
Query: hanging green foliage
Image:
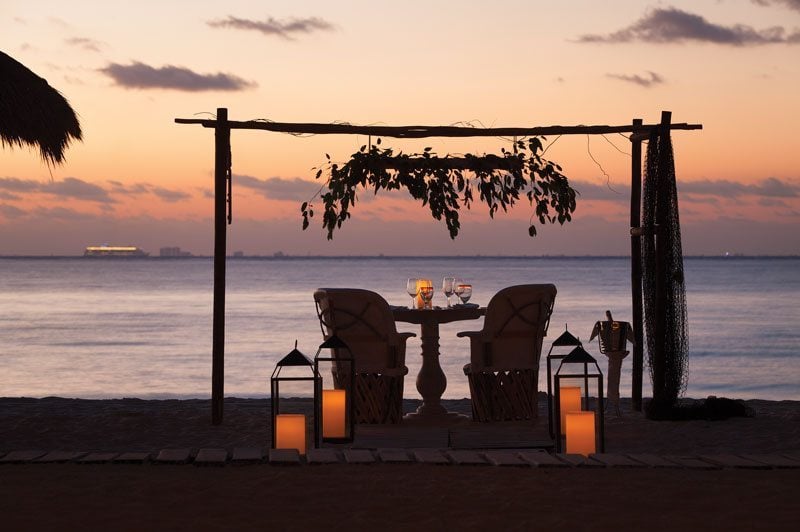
445 184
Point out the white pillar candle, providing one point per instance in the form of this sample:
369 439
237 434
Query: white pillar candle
333 413
569 400
290 432
580 433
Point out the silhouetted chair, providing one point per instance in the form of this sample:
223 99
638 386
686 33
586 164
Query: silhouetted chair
363 320
503 372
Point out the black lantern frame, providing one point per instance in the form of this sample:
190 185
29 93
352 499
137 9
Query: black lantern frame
565 340
588 371
295 360
343 374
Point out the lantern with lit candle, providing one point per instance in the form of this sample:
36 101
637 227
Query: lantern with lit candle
580 433
336 414
579 369
290 421
560 349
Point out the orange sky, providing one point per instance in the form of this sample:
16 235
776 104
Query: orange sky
140 179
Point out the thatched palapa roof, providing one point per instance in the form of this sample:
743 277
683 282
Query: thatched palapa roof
34 113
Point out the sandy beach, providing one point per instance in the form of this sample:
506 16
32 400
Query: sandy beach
387 496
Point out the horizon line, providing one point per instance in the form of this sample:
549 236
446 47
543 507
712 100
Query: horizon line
284 256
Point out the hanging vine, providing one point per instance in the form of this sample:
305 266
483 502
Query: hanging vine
445 184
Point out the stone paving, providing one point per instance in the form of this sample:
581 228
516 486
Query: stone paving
522 458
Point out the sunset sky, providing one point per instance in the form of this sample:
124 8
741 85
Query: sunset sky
130 68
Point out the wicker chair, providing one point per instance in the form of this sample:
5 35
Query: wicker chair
503 372
362 319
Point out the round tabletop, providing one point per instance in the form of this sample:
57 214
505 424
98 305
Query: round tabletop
437 314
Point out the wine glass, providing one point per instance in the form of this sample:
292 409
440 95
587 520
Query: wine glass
412 288
448 285
464 292
426 292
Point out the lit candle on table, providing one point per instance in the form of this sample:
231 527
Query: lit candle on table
423 284
290 432
333 413
580 433
569 400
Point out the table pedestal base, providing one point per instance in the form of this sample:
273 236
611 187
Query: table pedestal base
426 418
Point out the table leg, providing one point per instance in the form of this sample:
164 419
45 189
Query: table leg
431 380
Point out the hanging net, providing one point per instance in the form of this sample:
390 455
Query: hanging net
663 284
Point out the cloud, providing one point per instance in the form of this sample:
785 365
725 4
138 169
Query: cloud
771 202
791 4
9 196
275 27
9 211
60 22
770 187
706 191
653 79
71 187
278 188
119 188
675 26
62 213
595 192
86 43
168 195
19 185
140 76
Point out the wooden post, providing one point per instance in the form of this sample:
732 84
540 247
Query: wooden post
636 269
658 355
222 157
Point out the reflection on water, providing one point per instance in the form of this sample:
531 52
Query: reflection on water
76 327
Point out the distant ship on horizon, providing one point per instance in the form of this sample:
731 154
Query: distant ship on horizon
105 250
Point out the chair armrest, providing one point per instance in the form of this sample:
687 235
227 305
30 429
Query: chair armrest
469 334
392 372
406 335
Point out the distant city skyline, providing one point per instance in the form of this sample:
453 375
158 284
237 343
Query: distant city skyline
138 178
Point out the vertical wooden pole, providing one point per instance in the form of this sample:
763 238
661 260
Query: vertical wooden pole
222 152
657 358
636 268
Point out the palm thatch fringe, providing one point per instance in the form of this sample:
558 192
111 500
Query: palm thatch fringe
34 113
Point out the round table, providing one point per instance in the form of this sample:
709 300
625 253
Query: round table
431 380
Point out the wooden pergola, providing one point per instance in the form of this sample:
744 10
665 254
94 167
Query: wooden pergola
638 130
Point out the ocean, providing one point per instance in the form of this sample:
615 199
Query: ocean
110 328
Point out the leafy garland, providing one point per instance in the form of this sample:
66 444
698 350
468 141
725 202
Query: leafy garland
445 186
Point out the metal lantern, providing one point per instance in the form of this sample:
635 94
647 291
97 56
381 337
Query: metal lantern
578 390
566 340
335 416
290 428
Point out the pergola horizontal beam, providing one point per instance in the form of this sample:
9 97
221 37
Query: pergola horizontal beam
486 162
430 131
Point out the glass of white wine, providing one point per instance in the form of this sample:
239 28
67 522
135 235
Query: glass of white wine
448 287
412 289
464 292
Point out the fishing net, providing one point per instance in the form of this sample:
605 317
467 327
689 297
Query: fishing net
664 291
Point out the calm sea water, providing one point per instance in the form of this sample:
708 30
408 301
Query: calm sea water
142 328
